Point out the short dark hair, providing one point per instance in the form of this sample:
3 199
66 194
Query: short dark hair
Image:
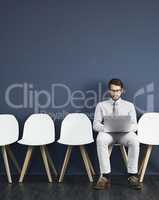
115 81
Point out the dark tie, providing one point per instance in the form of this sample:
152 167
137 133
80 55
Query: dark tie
115 109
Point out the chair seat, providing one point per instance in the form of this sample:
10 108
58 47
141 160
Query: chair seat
149 142
35 142
4 141
75 143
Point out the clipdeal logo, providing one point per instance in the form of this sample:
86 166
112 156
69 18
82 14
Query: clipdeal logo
37 100
148 93
26 96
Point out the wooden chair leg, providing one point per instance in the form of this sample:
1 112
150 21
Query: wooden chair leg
124 154
65 163
82 150
110 149
123 151
90 163
5 158
43 153
50 161
11 155
141 166
146 159
26 162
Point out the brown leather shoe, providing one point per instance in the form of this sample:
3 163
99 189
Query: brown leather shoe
102 184
133 182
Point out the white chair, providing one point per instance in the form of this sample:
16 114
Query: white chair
76 130
39 131
148 133
9 129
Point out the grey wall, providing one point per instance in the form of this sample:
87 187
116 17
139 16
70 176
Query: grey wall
81 44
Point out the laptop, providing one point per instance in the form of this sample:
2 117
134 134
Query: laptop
117 124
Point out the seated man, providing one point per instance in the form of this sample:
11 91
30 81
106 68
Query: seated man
116 106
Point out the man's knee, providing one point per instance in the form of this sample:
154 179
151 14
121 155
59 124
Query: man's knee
130 139
103 139
133 141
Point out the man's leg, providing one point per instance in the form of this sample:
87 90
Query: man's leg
131 141
103 142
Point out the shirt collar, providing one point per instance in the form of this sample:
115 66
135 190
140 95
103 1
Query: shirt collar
116 102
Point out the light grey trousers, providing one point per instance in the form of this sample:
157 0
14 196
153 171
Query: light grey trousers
105 140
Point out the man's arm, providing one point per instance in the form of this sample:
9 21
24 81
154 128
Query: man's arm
98 118
132 114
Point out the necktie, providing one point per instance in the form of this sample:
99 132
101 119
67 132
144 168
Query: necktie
115 109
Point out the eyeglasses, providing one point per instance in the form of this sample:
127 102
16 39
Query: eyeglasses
115 90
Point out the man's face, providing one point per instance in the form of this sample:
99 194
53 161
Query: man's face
115 92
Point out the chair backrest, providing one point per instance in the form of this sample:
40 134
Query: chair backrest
39 127
76 129
148 128
9 129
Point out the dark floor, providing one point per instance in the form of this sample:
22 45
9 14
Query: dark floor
76 188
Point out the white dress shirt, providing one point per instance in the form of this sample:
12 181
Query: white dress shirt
106 108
